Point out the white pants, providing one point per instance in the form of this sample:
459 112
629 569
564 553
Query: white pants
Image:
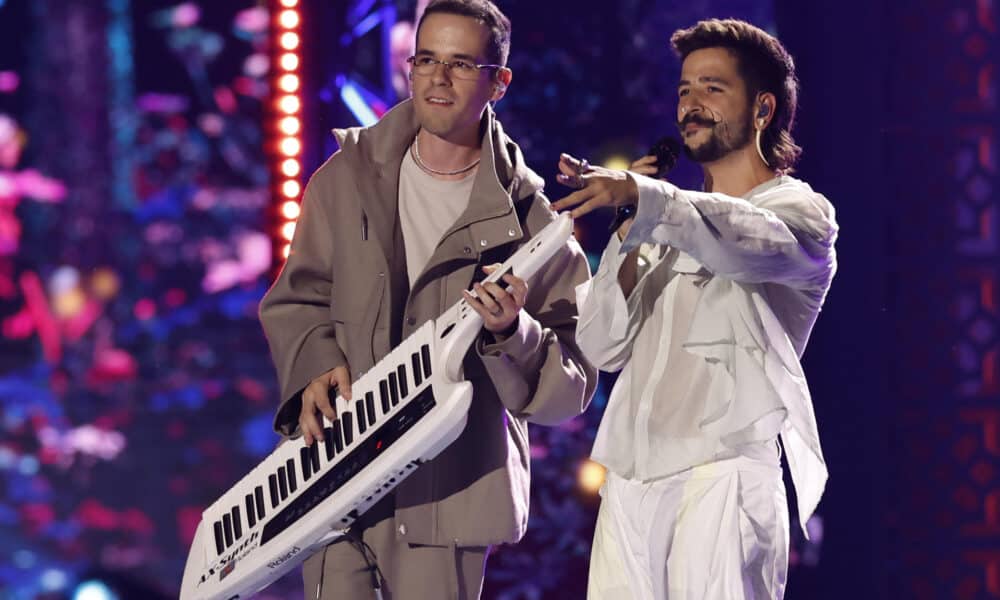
714 532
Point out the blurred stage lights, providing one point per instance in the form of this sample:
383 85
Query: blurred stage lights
291 146
94 590
289 104
617 162
291 189
290 125
289 19
289 40
291 167
591 476
289 61
287 83
290 210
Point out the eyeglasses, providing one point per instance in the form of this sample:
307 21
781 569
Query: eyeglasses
459 69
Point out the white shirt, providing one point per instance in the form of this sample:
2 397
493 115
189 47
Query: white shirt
427 208
711 335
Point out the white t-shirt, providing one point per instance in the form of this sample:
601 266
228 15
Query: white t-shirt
428 207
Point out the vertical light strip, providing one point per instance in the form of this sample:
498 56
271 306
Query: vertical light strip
121 102
286 84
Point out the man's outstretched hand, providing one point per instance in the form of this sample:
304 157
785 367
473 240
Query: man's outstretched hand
597 187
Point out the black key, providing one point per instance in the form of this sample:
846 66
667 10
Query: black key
251 513
403 386
272 484
314 457
359 410
425 356
348 428
227 526
383 394
417 375
328 442
290 471
258 495
237 524
306 462
394 388
338 435
282 483
219 541
370 406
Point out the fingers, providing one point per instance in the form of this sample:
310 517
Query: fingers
569 165
644 166
506 301
649 159
498 307
341 377
571 171
592 204
489 297
319 398
309 422
518 289
573 199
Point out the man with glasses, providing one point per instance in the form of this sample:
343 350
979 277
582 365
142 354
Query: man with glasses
395 227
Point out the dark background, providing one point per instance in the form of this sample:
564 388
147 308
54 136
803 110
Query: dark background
115 436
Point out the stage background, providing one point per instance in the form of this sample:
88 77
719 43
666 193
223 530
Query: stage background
136 231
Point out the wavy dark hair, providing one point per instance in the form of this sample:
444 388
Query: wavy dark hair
484 11
765 66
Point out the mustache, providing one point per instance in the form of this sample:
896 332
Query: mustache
697 119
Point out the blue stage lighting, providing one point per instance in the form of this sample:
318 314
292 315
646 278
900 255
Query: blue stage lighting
352 98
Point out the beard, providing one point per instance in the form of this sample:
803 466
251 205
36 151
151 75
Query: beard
722 141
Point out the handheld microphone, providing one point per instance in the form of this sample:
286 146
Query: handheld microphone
666 150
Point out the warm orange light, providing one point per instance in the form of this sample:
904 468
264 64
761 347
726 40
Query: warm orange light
291 188
289 3
289 82
591 476
288 230
289 19
290 125
286 250
290 210
289 104
289 61
291 167
289 40
291 146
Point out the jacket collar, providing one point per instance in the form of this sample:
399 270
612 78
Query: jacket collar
502 172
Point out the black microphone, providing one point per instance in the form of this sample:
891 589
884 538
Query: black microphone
666 150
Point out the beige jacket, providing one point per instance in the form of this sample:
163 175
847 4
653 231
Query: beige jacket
343 298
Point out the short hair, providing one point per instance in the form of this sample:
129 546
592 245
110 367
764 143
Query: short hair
765 66
484 11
